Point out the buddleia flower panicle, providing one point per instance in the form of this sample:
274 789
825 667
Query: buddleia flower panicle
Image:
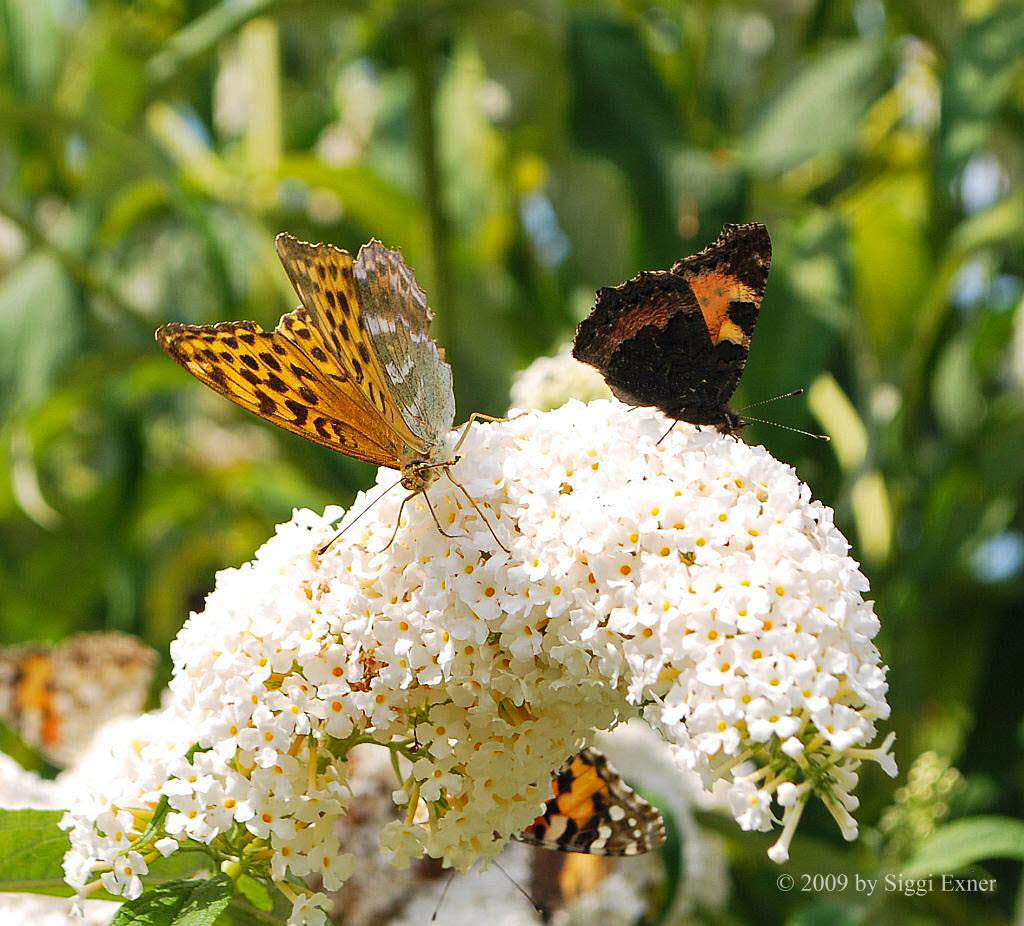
693 583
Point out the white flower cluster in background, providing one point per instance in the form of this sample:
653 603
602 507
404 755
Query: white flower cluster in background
693 583
550 382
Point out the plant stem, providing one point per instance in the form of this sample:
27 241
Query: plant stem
422 63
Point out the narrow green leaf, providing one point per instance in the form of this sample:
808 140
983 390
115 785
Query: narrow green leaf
966 841
178 903
817 113
623 110
38 329
32 849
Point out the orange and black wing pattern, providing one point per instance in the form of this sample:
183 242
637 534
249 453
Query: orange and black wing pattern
678 339
594 811
324 276
291 377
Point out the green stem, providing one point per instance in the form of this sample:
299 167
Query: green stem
422 63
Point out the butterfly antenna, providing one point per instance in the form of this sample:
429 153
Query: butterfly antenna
774 398
330 542
476 507
786 427
444 893
522 890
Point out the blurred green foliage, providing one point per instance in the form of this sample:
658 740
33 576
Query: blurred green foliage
523 153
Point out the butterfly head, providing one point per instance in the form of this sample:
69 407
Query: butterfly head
419 474
730 422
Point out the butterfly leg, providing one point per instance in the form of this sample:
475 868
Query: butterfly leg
476 508
476 416
440 529
398 521
666 434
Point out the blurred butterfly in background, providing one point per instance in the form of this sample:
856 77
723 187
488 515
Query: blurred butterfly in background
595 812
353 368
56 696
593 815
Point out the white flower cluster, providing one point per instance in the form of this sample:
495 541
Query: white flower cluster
549 382
692 582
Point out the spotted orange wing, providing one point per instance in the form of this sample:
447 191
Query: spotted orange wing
594 811
728 278
289 376
324 278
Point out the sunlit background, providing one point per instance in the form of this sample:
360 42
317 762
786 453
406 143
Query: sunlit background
523 154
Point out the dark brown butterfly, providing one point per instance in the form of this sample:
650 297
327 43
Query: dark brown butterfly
678 339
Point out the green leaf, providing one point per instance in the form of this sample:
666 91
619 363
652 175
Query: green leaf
255 892
818 113
38 328
178 903
891 259
32 849
966 841
980 74
623 111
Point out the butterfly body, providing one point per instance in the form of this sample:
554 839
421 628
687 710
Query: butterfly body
678 339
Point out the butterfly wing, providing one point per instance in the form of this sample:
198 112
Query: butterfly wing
679 340
728 279
324 278
594 811
397 318
288 376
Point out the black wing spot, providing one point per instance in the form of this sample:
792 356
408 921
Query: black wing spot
271 361
298 410
321 429
308 394
330 298
267 405
364 353
300 372
251 377
248 337
251 362
276 383
318 355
